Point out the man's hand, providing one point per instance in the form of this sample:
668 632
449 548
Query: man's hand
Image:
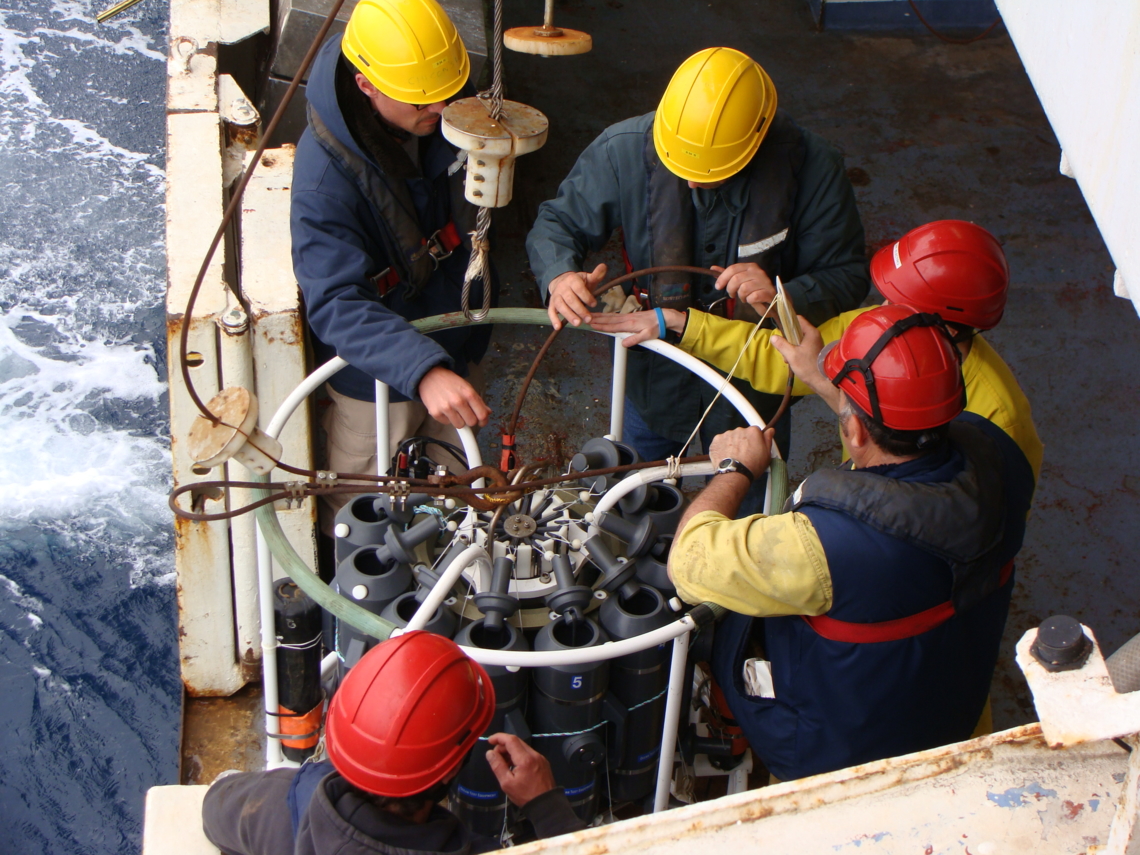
523 773
452 400
804 362
643 325
572 295
749 445
745 281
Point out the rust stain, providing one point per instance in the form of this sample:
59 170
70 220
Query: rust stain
1070 811
757 812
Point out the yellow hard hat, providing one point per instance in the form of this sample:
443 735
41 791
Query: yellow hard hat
408 49
714 115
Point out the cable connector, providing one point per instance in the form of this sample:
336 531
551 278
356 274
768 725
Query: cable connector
398 495
507 462
295 493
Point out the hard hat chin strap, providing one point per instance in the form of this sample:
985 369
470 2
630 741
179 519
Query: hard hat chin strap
863 366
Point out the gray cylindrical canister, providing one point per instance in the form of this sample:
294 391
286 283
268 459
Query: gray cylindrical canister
566 713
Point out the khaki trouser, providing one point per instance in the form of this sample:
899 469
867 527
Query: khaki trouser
350 429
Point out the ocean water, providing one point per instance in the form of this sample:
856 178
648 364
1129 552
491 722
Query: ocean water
89 686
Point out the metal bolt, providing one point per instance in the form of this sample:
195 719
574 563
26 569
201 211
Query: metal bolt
1061 644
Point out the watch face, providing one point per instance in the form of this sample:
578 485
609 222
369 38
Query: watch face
727 463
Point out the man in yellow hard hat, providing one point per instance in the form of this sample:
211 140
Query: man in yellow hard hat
380 227
718 178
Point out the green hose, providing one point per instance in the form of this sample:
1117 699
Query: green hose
348 611
531 317
778 473
308 581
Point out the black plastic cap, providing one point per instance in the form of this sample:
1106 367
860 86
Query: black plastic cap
1061 644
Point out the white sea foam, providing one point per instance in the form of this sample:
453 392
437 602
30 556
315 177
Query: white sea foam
81 403
132 42
60 456
17 595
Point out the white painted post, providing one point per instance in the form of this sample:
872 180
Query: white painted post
278 338
672 721
236 359
383 449
202 549
617 390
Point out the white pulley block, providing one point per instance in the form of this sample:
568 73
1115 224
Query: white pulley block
493 146
236 435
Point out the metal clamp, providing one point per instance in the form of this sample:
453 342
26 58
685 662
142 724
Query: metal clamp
434 248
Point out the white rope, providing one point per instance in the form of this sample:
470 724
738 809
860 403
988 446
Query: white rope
674 463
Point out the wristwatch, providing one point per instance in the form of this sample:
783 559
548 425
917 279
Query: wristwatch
730 464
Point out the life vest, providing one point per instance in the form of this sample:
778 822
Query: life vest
766 223
412 254
960 521
854 688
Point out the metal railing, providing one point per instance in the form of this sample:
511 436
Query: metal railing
271 541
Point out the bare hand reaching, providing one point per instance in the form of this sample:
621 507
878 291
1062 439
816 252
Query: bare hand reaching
452 400
750 445
523 773
747 282
571 296
804 362
642 325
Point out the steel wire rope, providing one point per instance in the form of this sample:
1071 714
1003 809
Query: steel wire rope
479 264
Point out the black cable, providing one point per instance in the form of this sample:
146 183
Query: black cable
458 453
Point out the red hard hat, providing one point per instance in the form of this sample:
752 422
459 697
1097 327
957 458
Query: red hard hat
407 714
949 267
916 377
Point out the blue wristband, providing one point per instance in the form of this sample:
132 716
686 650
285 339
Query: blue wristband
661 330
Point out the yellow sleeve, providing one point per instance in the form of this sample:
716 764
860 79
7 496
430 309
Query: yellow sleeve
993 393
760 565
718 341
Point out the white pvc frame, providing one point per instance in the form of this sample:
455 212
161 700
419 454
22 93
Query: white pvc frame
677 632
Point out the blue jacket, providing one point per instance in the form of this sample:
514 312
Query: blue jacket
342 242
819 254
838 704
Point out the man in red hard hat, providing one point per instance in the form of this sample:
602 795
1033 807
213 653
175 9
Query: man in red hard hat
884 591
398 730
951 268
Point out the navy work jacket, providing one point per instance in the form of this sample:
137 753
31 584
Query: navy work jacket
837 703
339 240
